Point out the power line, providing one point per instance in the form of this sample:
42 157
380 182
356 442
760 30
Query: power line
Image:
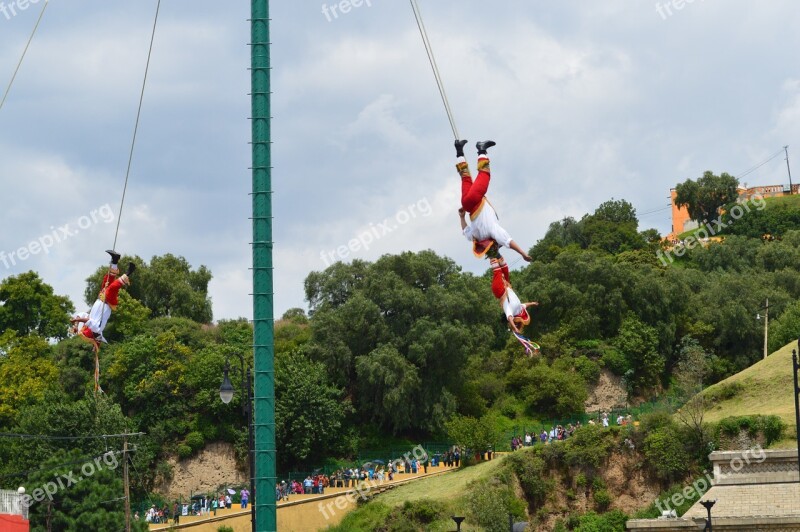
68 438
759 165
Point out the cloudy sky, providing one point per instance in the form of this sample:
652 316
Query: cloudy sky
587 101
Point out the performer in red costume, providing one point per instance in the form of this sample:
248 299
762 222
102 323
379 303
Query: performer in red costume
90 326
515 311
484 230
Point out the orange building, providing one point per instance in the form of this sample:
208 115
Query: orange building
680 216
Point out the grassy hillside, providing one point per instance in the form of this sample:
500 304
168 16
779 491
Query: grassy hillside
764 388
444 487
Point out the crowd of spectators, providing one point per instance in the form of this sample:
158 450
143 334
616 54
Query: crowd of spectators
559 432
373 471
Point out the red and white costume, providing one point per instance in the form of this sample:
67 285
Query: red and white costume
512 305
484 222
107 301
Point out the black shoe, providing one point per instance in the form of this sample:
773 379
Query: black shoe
460 147
114 256
484 145
131 268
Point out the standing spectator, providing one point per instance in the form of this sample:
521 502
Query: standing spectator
308 485
605 419
228 502
176 513
457 456
245 495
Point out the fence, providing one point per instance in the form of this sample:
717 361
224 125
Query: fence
11 504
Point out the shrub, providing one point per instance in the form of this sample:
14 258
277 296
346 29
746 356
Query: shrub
195 440
424 511
224 528
602 500
656 420
665 454
587 368
490 502
610 521
724 391
530 470
184 451
771 427
588 447
614 361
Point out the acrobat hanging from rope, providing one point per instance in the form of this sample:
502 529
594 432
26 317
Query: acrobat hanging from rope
515 312
90 326
484 230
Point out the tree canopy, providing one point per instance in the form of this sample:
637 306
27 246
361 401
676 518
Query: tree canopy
705 198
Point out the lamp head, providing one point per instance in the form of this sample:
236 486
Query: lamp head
226 390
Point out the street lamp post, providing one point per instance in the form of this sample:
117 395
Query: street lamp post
765 308
226 392
708 505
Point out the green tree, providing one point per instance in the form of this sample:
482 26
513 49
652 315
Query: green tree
705 197
29 305
168 286
26 371
639 343
91 497
309 411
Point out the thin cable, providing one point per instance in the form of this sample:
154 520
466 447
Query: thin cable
136 127
13 77
754 168
45 437
432 60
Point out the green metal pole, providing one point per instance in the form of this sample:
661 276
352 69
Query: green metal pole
263 340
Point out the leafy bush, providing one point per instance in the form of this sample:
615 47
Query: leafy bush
614 361
771 427
587 368
195 440
588 447
490 502
184 451
724 391
424 511
224 528
656 420
602 499
612 521
665 454
531 472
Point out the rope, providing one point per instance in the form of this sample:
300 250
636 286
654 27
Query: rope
13 77
432 60
136 126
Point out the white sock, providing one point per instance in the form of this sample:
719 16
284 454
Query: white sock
461 159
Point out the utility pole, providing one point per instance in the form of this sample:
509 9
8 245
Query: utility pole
788 169
127 485
766 327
